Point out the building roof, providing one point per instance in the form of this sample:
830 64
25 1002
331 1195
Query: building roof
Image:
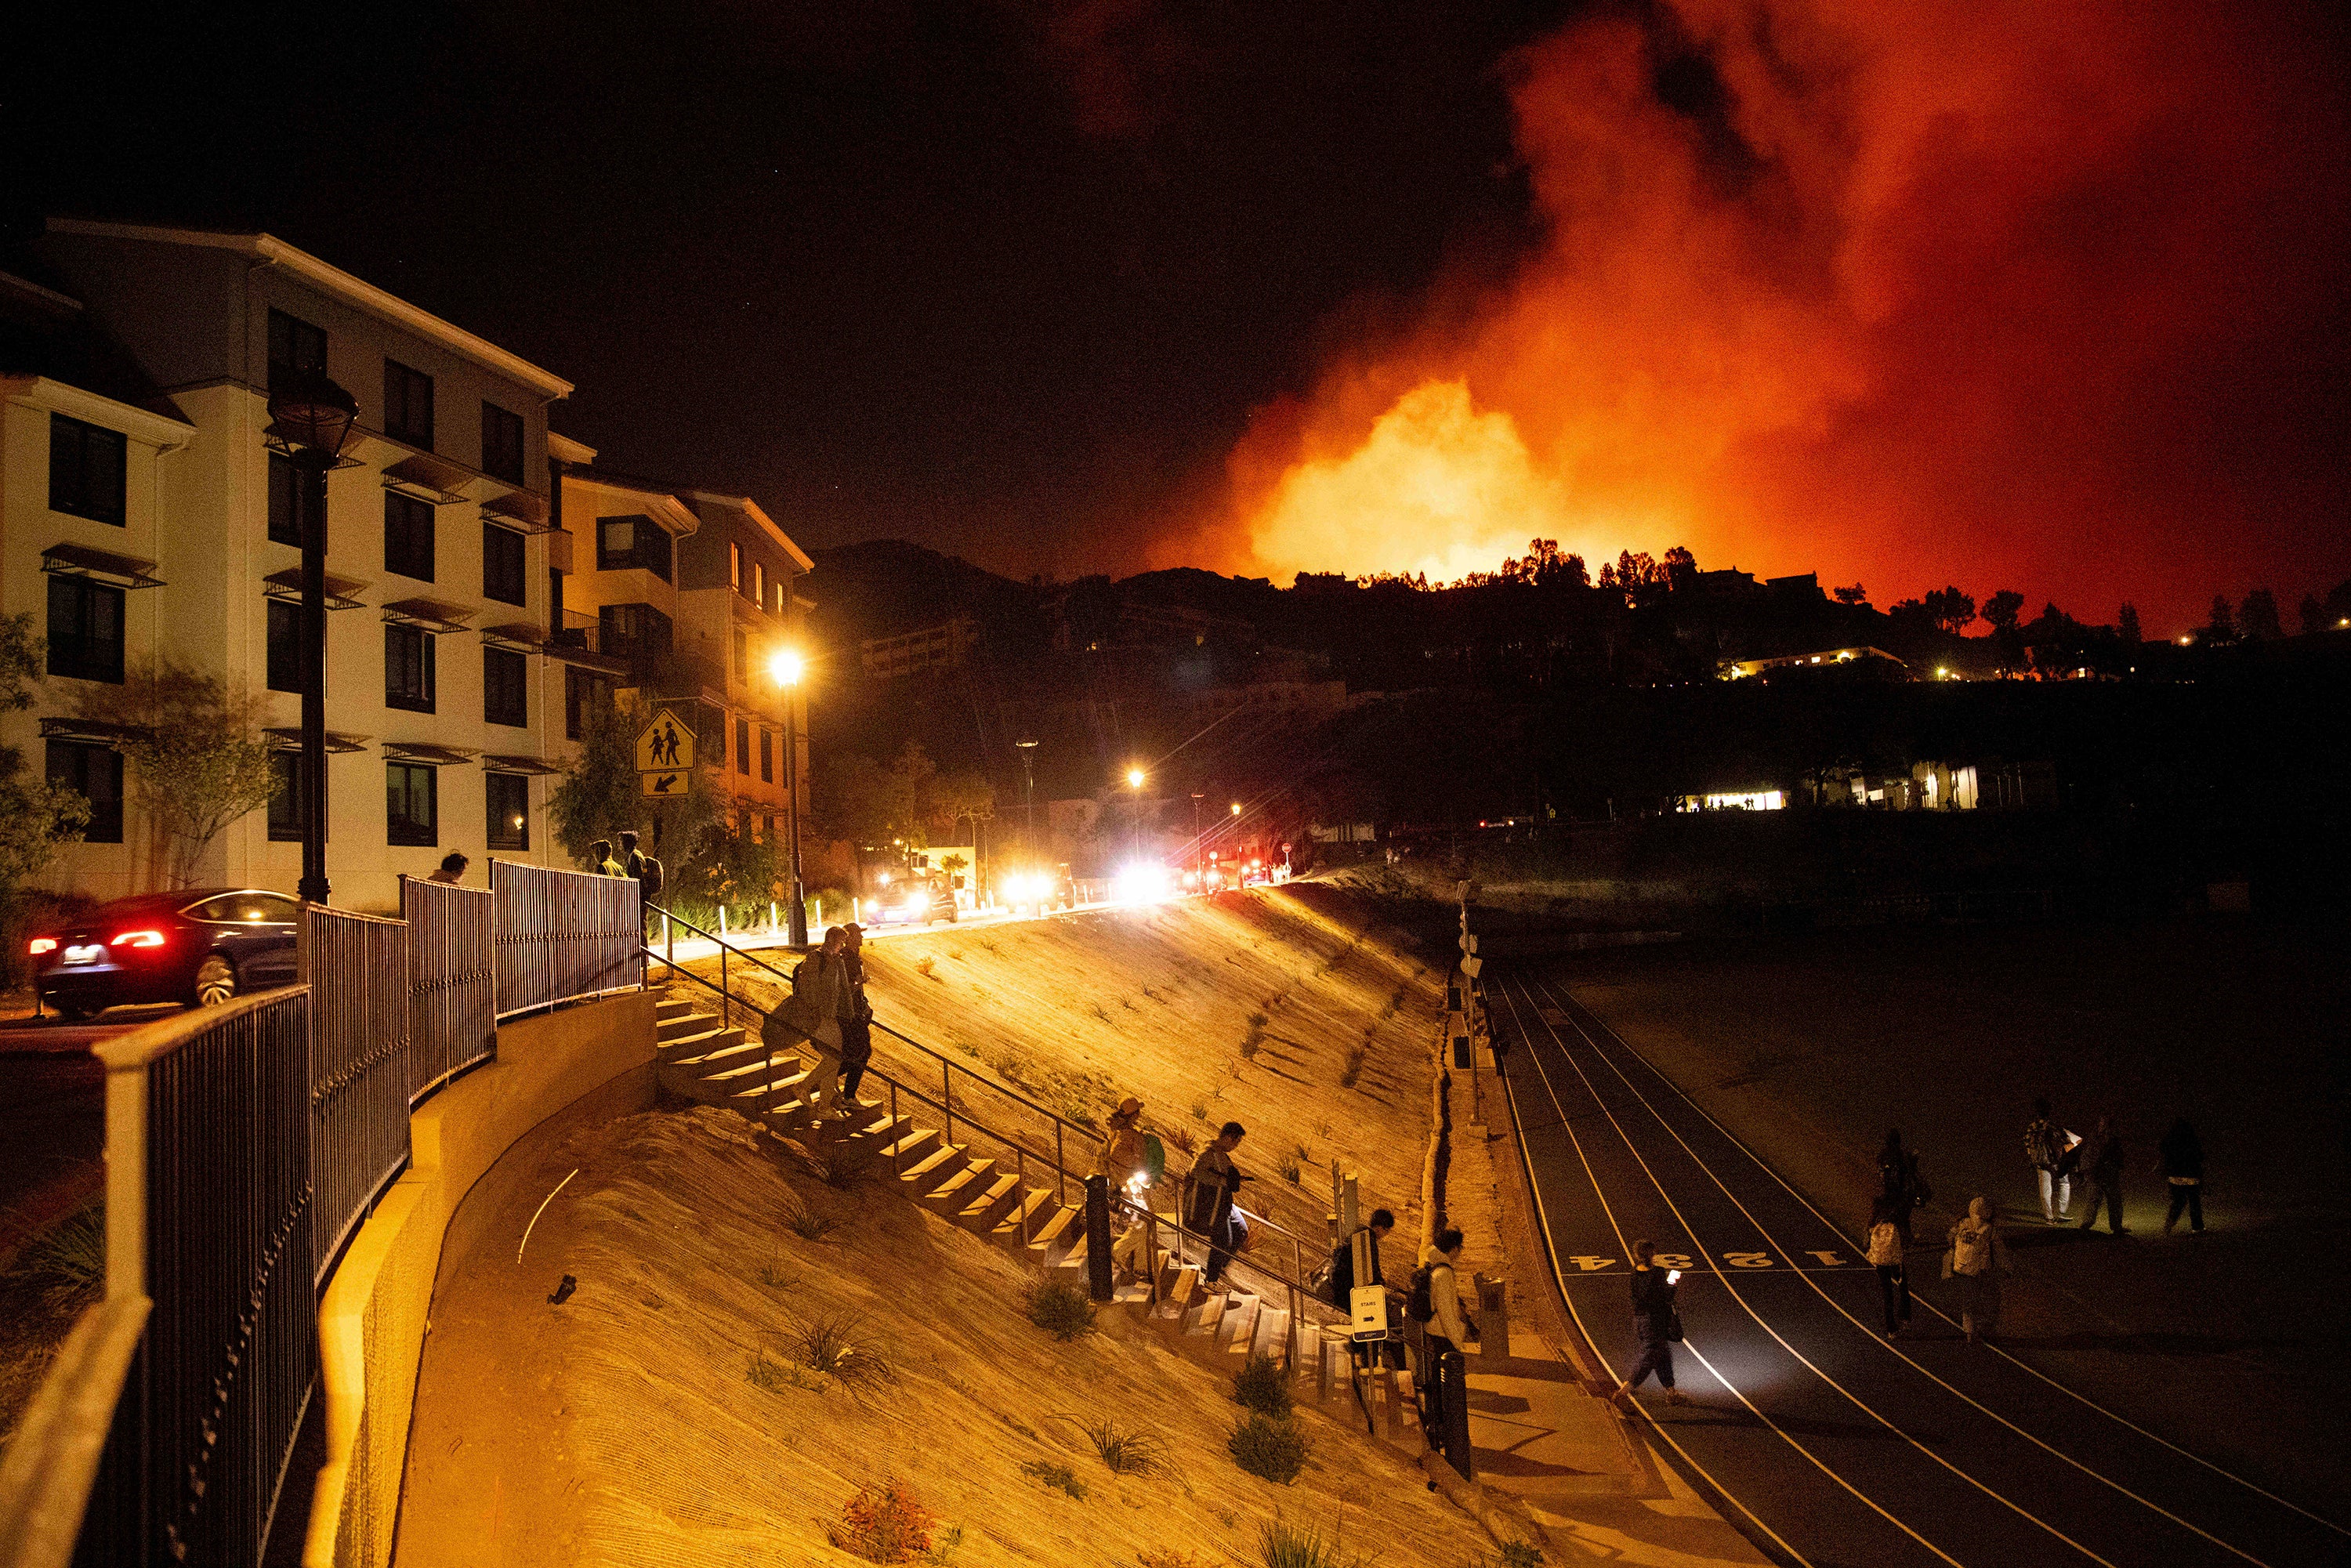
338 284
48 335
751 509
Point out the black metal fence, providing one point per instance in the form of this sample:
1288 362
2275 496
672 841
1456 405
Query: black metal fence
357 968
452 1013
562 936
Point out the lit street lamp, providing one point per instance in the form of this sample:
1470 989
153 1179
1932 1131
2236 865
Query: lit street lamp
311 418
787 667
1134 780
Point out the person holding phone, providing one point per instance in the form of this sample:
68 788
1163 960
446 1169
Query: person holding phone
1656 1323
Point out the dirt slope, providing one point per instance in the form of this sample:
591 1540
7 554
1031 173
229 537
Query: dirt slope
624 1425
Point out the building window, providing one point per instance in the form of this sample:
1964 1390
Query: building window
759 585
742 658
766 757
87 469
407 536
411 802
85 630
501 443
285 646
295 497
96 773
509 808
505 680
408 668
743 746
583 691
735 566
632 541
502 578
407 405
295 345
286 797
634 631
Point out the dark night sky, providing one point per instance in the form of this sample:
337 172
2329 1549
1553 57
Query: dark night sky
2006 295
1003 278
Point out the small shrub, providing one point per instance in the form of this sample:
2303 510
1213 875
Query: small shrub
1181 1138
1125 1453
1096 1009
829 1346
1055 1477
1169 1557
884 1524
1060 1308
1289 1167
1259 1020
949 1538
1354 1068
70 1259
967 1047
1272 1450
1251 1043
775 1278
1129 1006
809 1226
925 964
774 1376
1199 1111
1260 1387
1281 1544
1519 1554
956 954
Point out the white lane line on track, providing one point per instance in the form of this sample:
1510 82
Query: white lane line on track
1754 1409
1838 1230
1858 1403
1879 1340
1550 1246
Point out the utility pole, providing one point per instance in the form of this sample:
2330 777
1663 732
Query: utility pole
1028 789
1195 833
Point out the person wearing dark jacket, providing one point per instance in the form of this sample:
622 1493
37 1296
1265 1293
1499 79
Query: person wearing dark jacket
1897 1177
1653 1325
1343 1258
2181 1163
1214 1182
2105 1165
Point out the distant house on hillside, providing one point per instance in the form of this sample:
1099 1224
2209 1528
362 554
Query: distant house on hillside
941 647
1740 669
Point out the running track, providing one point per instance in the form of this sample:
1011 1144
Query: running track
1828 1446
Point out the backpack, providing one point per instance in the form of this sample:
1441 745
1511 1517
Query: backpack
650 879
2044 1146
1418 1304
1155 1158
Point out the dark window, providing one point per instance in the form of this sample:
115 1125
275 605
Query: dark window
407 405
510 797
631 541
582 690
505 680
285 646
742 659
85 630
502 578
285 799
295 497
86 470
410 805
742 745
295 345
407 536
766 757
501 443
95 771
408 668
634 631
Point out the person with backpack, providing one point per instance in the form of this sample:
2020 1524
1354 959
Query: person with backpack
1344 1275
2181 1163
643 868
809 1019
599 859
1900 1184
1977 1260
1214 1182
1885 1256
856 1017
1435 1301
1656 1323
2050 1149
1121 1161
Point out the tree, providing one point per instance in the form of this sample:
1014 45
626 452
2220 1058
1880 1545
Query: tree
1950 609
197 761
36 818
2257 618
1856 594
2126 624
1680 568
2002 609
2224 621
2313 615
600 794
869 804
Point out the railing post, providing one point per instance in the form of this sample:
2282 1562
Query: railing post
1151 1245
726 997
1098 1241
1060 1169
126 1182
946 1095
897 1160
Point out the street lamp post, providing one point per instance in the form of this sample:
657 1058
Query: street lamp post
1134 780
311 418
787 667
1195 833
1029 789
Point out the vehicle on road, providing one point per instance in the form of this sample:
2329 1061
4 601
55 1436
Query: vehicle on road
201 946
1040 890
918 902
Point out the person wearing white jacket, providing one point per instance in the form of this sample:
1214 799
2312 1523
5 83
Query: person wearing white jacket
1449 1329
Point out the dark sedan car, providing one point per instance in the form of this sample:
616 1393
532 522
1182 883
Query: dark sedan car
200 946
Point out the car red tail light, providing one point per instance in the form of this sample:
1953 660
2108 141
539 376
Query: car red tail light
142 938
40 945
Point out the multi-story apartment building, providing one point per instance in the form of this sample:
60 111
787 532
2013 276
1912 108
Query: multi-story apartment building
167 528
686 596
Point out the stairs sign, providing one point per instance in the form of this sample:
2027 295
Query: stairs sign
664 755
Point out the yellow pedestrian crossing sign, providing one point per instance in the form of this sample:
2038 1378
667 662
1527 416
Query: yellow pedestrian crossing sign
666 746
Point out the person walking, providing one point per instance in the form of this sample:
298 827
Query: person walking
856 1017
2181 1163
1975 1263
599 859
811 1018
1214 1182
1898 1181
1345 1277
1656 1324
2050 1149
1448 1328
2105 1170
1886 1255
452 868
1118 1162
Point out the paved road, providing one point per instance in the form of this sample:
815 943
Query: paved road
1827 1443
52 1119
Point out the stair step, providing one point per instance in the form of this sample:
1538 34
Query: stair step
916 1144
754 1096
702 1047
1240 1322
1271 1335
670 1007
1027 1210
934 1168
989 1203
1181 1291
682 1024
1058 1234
1207 1314
949 1197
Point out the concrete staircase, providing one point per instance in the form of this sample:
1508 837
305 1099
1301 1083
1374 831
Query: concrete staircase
699 1057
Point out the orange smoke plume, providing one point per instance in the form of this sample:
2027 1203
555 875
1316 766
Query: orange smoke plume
2023 294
